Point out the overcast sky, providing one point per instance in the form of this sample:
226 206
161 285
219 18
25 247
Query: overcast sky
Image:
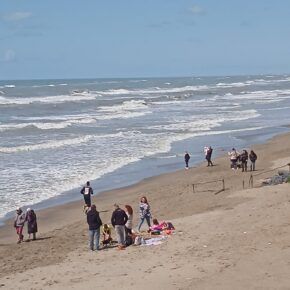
134 38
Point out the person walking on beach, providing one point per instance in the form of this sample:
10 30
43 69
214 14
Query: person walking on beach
208 156
31 223
118 220
234 158
94 221
186 159
87 191
244 160
129 223
144 211
253 157
19 224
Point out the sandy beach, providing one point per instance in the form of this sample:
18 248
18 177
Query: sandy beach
233 239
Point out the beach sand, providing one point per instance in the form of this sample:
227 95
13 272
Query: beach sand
233 239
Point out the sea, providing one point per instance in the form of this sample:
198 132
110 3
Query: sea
57 134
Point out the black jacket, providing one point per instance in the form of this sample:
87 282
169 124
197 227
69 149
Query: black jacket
119 217
94 220
87 190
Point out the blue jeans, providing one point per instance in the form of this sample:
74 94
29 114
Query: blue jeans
147 218
94 236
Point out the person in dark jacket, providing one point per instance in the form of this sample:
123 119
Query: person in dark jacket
31 223
19 222
244 160
253 158
94 222
87 191
186 159
118 220
208 156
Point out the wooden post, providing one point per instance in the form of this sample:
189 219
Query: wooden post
243 184
289 166
224 188
193 188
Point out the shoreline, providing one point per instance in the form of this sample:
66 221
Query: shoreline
49 215
102 185
219 237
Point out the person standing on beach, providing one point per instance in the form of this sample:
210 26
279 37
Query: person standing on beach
253 157
144 211
129 223
87 191
19 224
31 223
94 221
208 156
234 158
244 160
186 159
118 220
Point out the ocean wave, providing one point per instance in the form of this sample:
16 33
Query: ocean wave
47 125
209 122
46 145
266 96
9 86
156 90
46 99
125 106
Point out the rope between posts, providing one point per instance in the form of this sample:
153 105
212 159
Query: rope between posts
208 182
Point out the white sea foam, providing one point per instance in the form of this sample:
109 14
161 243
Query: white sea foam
47 125
46 145
46 100
266 96
9 86
155 90
132 105
199 123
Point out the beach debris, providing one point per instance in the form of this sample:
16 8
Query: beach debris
245 232
205 246
279 178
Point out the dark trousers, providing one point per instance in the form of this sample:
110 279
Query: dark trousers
245 166
209 163
186 163
87 199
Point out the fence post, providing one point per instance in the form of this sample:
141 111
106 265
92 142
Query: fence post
193 187
243 184
224 188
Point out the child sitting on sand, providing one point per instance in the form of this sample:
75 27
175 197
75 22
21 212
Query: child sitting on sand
106 232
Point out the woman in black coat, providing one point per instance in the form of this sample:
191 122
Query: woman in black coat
31 223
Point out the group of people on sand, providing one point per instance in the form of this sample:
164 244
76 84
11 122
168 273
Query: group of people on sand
207 153
121 221
240 160
20 219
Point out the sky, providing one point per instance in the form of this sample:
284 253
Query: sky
58 39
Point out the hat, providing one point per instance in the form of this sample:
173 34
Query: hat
18 209
28 209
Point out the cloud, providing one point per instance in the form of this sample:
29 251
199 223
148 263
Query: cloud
9 56
195 9
16 16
